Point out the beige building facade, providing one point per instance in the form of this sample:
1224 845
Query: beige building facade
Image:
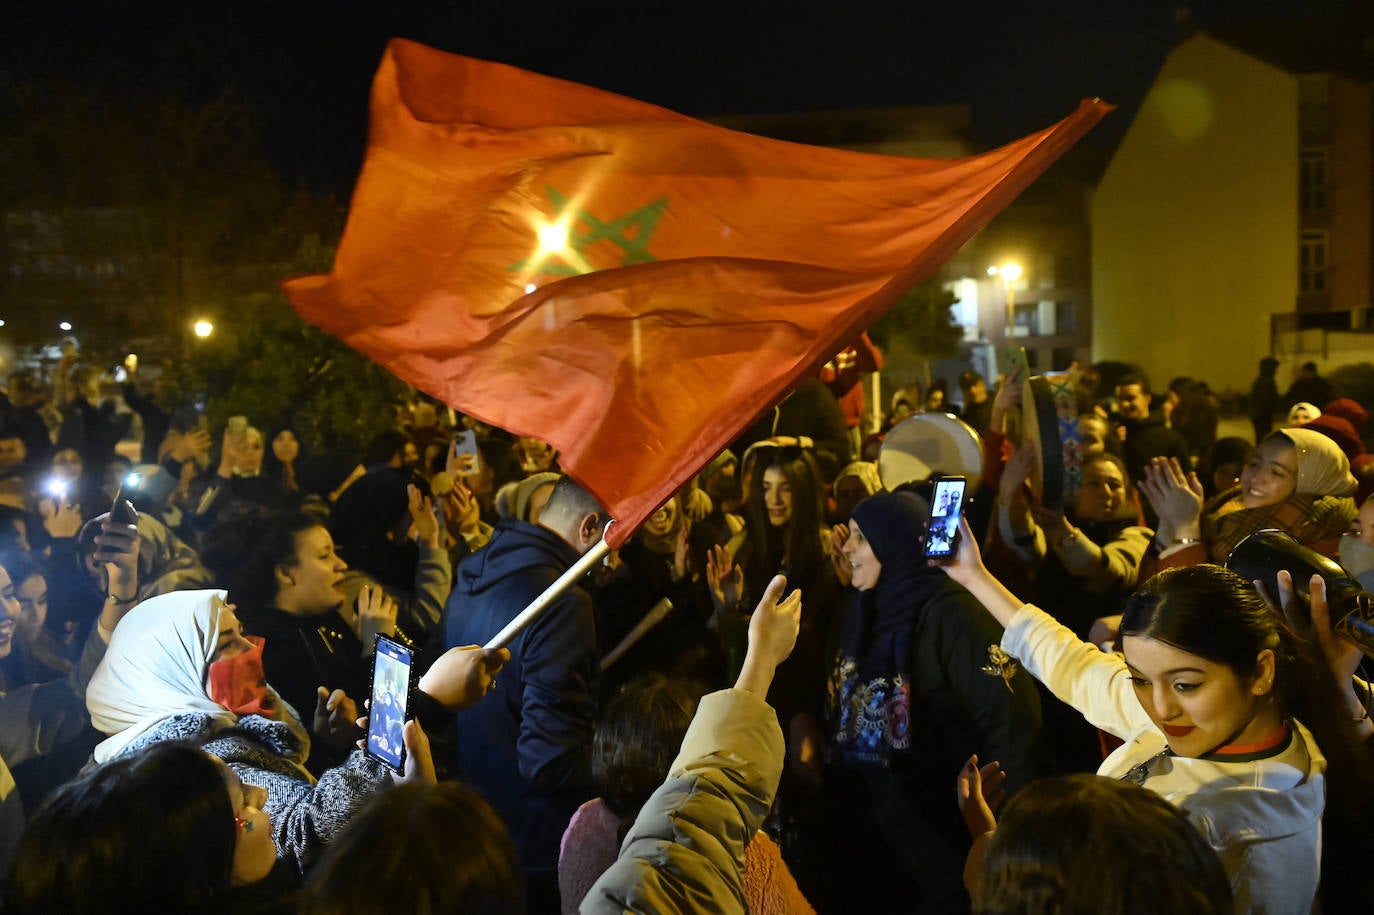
1238 202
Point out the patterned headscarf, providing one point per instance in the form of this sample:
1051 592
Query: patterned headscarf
865 472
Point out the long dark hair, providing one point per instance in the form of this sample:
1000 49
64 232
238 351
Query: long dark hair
1212 612
1037 865
149 832
422 849
799 542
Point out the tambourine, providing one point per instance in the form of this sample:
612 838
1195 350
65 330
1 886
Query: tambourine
928 443
1049 413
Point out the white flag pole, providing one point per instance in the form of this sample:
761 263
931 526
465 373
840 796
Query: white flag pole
552 592
656 615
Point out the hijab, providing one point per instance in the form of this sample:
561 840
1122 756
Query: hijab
866 472
155 668
1323 468
880 634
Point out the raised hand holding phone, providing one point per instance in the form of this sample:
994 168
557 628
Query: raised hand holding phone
61 513
464 460
946 509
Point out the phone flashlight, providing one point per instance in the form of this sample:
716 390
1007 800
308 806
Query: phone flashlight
57 487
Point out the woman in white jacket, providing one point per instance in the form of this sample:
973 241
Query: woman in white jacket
1217 703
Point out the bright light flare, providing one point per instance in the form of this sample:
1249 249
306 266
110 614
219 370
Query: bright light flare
553 237
204 329
64 325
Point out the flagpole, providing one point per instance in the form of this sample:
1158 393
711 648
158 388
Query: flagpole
552 593
656 615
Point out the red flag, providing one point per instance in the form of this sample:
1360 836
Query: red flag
629 284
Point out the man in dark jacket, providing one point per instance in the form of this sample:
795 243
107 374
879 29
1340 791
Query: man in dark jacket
1264 398
1309 387
527 747
1147 435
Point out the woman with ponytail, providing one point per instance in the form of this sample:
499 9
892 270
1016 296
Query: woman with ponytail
1224 712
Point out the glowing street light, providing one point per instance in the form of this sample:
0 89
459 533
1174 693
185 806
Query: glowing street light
204 329
64 326
1009 273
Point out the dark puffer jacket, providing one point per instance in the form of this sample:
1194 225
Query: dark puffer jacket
527 746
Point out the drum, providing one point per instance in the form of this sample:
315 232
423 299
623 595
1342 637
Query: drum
1049 411
928 443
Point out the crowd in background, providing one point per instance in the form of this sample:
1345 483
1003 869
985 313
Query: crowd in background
184 684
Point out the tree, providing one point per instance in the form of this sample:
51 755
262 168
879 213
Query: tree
919 327
270 365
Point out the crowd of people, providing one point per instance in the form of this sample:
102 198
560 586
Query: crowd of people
767 700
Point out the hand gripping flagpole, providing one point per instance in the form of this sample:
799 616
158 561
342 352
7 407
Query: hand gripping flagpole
552 592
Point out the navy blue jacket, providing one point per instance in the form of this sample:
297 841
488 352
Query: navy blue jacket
526 747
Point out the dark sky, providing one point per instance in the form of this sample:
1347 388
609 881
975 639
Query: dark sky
306 66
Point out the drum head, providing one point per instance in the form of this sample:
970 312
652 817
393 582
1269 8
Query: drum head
929 443
1050 421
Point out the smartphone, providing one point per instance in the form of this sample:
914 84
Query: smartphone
122 510
393 689
465 443
946 504
57 487
1012 361
238 427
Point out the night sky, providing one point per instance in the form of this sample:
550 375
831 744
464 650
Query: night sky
305 67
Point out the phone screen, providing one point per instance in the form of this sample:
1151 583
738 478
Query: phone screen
942 537
387 715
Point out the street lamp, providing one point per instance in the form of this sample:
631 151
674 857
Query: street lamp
203 329
1009 274
64 326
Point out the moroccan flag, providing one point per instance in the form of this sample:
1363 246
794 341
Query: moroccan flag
629 284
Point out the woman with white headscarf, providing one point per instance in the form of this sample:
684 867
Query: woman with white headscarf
1296 480
180 668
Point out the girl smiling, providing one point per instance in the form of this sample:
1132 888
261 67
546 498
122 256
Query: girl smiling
1223 711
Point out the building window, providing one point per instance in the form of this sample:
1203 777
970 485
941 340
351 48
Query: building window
1063 357
1312 180
1065 318
1312 262
1027 321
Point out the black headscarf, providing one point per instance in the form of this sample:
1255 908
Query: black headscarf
878 634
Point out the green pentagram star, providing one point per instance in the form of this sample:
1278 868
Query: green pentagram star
631 233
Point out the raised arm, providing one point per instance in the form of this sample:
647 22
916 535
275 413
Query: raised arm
685 852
